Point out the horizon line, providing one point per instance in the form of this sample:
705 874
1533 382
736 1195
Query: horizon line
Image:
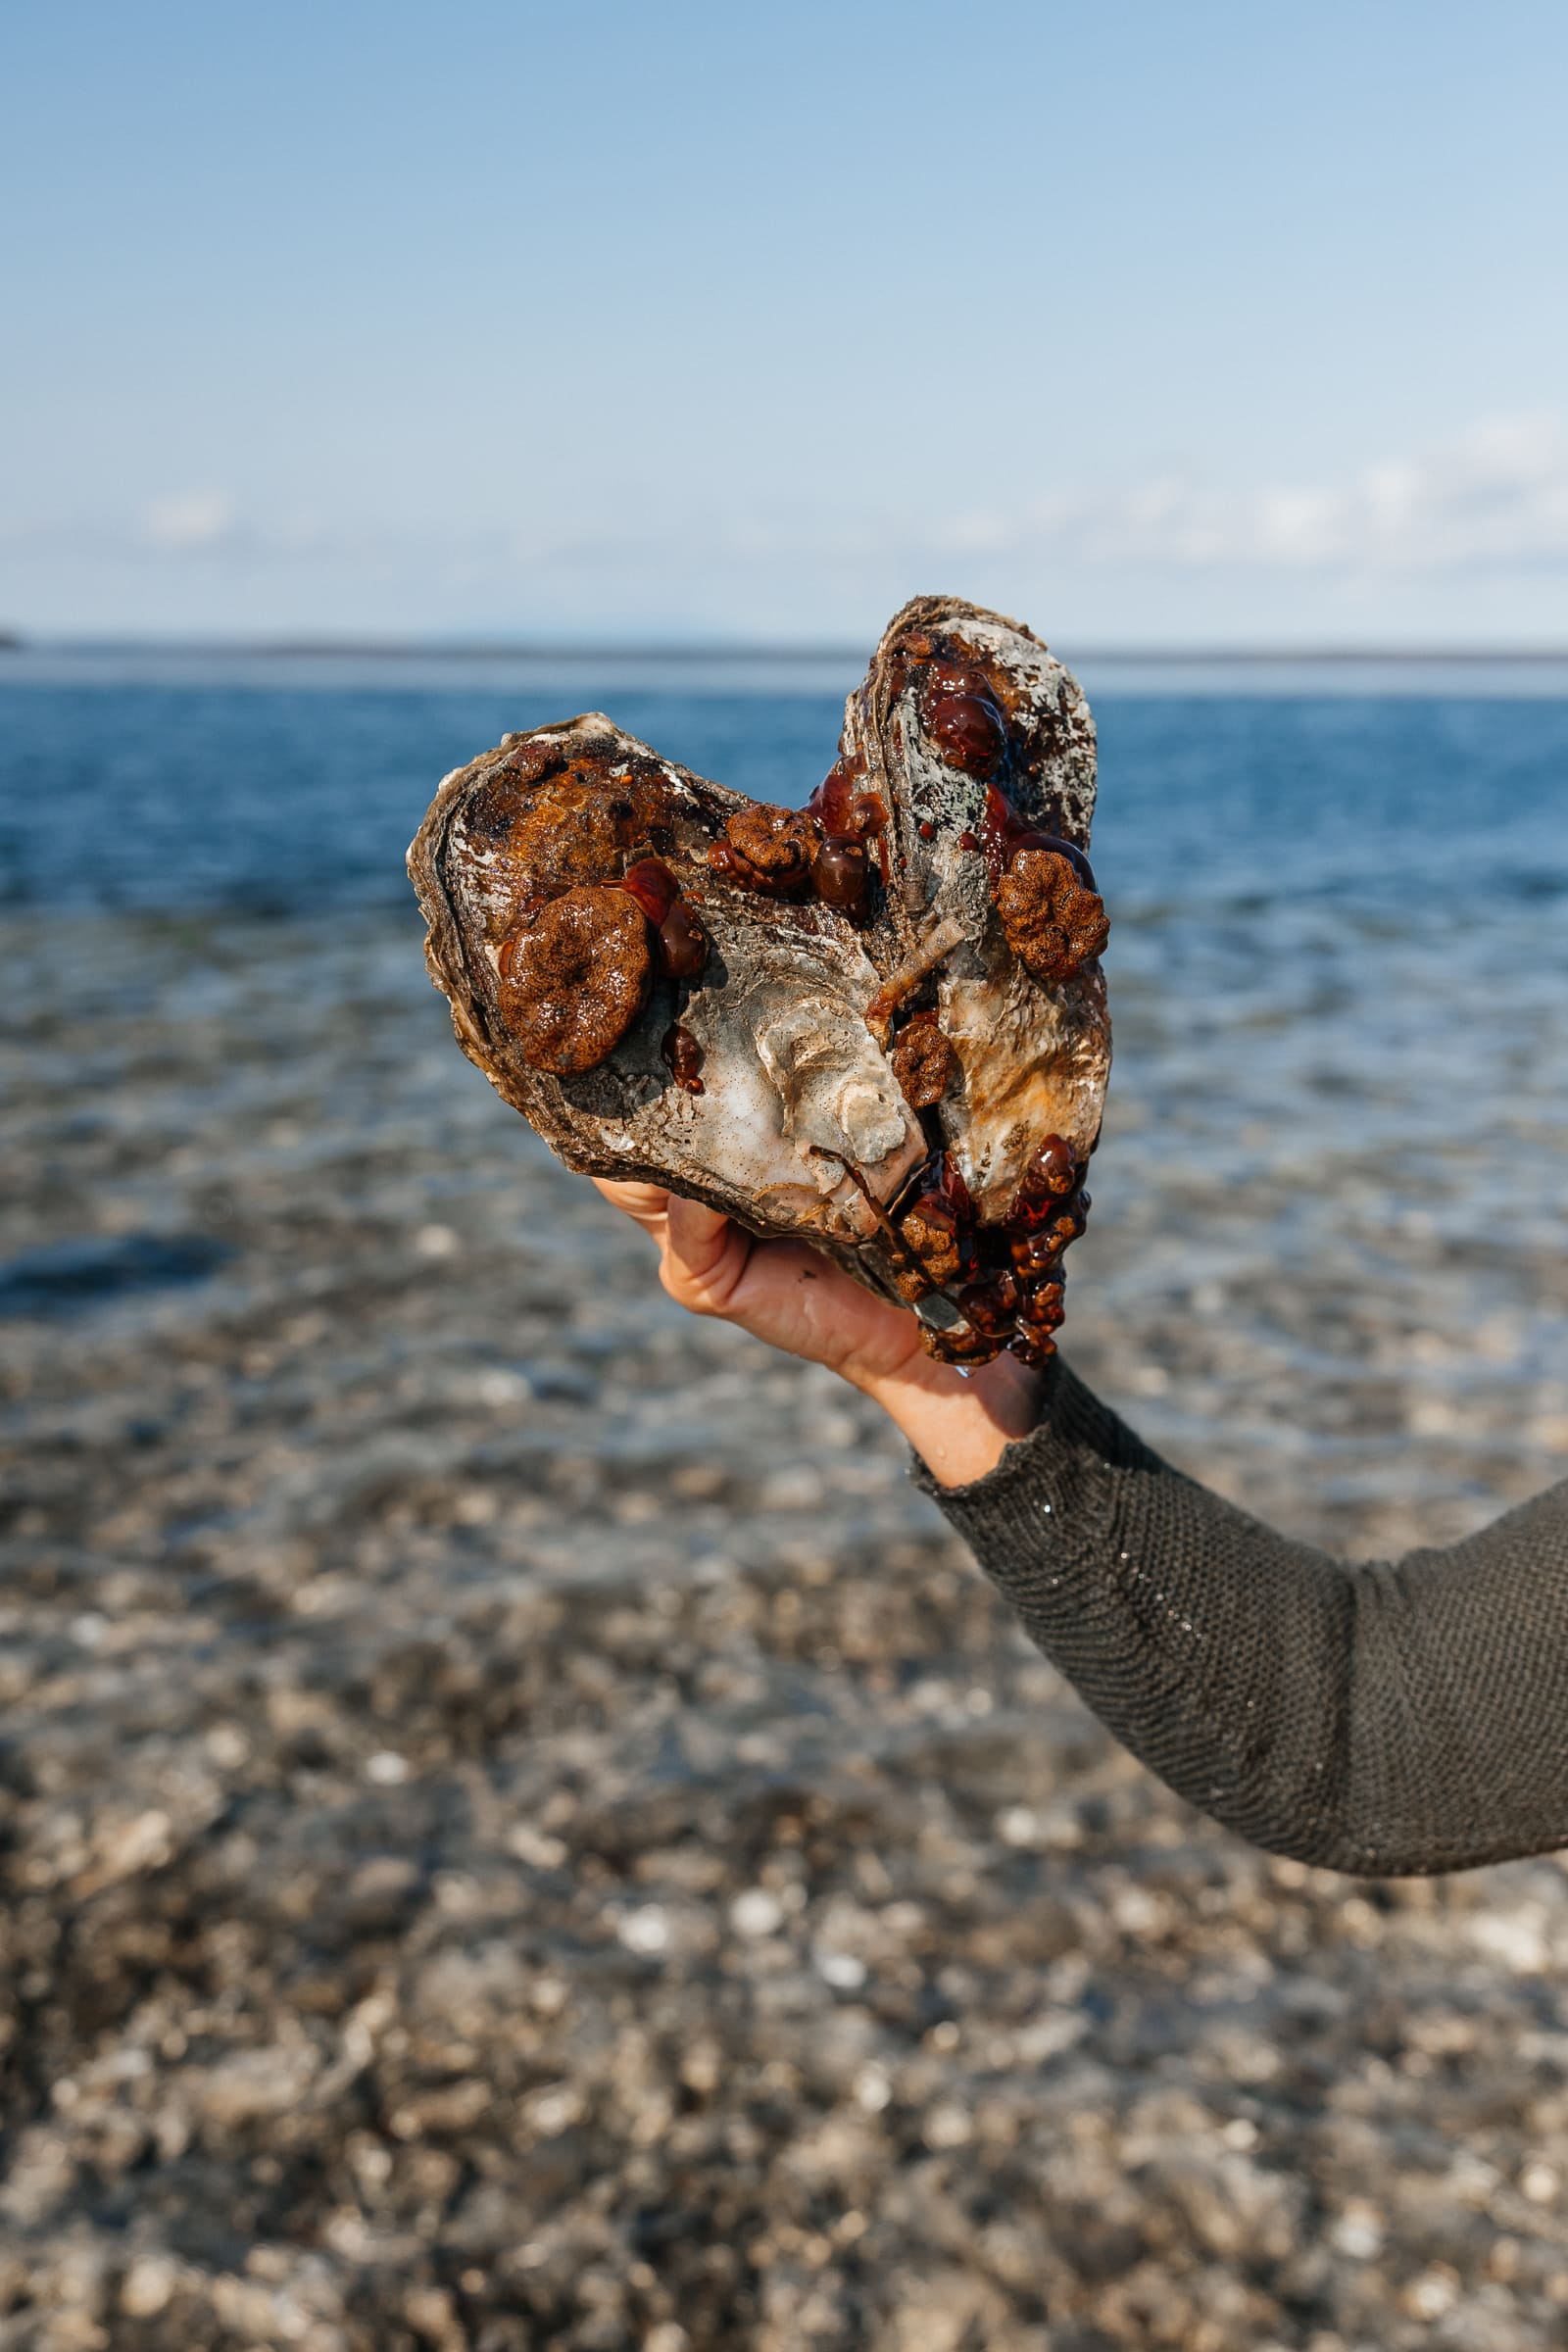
727 650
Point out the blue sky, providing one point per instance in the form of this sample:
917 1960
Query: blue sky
1220 323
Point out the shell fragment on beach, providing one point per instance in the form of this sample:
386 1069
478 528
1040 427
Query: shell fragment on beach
877 1023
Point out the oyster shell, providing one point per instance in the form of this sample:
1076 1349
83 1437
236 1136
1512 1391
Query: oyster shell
878 1024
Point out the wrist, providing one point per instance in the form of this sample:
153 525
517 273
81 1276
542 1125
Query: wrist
959 1426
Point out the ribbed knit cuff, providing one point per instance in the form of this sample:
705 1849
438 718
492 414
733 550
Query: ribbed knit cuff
1074 1435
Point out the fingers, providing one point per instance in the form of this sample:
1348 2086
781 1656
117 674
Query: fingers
704 1257
643 1203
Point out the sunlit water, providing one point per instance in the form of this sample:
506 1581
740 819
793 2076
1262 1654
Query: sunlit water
1339 972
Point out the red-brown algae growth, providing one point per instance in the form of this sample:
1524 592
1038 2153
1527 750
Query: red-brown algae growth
575 825
1007 1278
940 1223
825 848
1006 833
584 939
769 850
574 979
841 873
652 886
1053 927
682 1056
1054 924
1051 1175
963 720
852 818
923 1062
681 942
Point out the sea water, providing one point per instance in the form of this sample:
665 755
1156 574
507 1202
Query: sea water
1337 1132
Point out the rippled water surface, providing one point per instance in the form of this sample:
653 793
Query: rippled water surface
1338 970
520 1824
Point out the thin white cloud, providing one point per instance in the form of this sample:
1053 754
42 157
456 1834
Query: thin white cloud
1496 500
1489 505
196 520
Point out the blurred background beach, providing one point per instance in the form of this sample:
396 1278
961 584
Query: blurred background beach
521 1828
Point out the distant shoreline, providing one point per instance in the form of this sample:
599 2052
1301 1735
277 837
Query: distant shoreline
693 652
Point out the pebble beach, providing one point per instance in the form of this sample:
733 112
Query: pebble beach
523 1830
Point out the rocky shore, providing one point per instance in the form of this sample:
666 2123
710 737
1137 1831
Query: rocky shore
523 1830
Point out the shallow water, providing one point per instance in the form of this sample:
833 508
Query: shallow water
519 1825
1339 973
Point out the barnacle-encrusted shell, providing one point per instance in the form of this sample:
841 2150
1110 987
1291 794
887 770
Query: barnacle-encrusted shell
863 1023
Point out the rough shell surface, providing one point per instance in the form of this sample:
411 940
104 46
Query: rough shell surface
857 1024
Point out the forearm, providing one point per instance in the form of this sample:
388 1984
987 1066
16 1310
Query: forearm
1380 1719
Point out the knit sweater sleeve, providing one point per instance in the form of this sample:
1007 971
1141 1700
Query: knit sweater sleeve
1385 1717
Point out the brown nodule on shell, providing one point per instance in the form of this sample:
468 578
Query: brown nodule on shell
683 944
652 886
991 1306
961 1346
966 726
557 832
770 849
1035 1348
1052 1173
924 1062
841 873
682 1056
1034 1254
574 979
1041 1309
935 1244
1054 922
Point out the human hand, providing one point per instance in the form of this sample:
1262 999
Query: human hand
789 1295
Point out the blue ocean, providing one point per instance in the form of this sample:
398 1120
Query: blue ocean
507 1779
284 785
1339 968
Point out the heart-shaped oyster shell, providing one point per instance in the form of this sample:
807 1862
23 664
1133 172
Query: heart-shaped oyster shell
877 1024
